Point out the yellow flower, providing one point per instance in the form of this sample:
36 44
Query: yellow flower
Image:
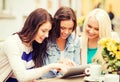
111 46
118 55
80 20
111 53
104 41
119 48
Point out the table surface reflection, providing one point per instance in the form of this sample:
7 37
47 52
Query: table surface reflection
70 79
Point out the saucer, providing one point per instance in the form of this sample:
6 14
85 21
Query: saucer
91 79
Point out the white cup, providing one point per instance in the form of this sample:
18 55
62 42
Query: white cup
94 71
111 78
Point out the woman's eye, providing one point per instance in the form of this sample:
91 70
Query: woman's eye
43 30
70 28
62 28
97 29
89 26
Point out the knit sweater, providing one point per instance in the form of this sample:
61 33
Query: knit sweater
5 68
19 57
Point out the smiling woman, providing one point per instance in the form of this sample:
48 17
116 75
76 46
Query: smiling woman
65 48
43 32
24 52
92 28
97 25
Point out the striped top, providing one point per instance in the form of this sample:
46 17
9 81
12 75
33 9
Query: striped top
20 60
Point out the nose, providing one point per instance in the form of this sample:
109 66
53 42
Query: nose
66 31
91 31
46 35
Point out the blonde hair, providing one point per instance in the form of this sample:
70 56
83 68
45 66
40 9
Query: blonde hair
104 31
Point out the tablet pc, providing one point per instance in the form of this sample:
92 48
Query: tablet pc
75 70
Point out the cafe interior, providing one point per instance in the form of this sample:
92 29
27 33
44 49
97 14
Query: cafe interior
14 12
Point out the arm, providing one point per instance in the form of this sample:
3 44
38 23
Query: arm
13 53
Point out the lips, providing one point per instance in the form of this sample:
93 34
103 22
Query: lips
90 34
64 36
41 39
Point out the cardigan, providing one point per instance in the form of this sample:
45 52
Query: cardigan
18 57
5 68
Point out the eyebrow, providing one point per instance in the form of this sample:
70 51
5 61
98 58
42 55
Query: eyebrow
92 26
65 27
45 29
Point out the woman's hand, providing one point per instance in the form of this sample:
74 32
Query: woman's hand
67 62
59 67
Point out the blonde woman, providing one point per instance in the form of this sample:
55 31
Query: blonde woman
96 26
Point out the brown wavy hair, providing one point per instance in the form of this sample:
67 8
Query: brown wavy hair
63 13
29 30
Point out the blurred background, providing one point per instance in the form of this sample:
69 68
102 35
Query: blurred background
14 12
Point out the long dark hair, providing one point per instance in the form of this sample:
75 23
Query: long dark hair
63 13
29 30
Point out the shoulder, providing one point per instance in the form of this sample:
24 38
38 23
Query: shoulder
12 41
74 39
13 38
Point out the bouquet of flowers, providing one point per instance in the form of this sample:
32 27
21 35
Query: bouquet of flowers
111 54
